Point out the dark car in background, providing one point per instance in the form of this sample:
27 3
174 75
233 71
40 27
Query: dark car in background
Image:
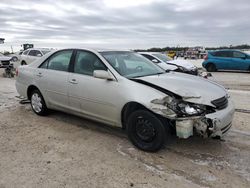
226 60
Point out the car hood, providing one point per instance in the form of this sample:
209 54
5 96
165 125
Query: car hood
182 63
166 66
190 88
5 58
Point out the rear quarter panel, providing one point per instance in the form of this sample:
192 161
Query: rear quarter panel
24 79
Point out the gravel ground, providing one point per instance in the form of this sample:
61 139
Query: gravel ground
62 150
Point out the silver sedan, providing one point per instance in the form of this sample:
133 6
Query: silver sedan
124 89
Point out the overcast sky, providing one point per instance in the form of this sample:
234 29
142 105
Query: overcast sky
124 24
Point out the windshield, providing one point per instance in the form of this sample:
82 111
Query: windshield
163 57
131 64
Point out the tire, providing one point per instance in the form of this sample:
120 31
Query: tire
146 131
23 63
38 104
211 67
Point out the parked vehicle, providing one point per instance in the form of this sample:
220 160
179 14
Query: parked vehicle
226 60
124 89
171 54
32 54
16 56
176 65
5 61
197 52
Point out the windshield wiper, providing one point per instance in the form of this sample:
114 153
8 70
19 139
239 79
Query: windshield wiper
159 73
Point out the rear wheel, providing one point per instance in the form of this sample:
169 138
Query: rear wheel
146 131
211 67
38 104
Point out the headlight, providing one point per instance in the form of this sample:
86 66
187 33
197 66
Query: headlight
173 107
186 109
191 109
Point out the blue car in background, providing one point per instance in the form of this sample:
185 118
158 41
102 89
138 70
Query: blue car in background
226 60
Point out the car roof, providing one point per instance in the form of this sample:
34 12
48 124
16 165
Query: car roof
95 50
150 53
223 50
38 49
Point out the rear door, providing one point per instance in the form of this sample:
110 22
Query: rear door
25 56
239 61
52 79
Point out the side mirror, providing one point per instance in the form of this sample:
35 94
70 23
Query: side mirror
38 55
102 74
155 61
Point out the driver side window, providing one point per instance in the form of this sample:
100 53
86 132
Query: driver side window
86 63
238 55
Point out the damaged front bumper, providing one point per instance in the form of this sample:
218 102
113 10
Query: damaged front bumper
221 121
215 124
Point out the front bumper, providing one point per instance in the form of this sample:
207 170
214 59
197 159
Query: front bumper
216 124
221 121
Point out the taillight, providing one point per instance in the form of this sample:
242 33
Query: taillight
16 71
206 57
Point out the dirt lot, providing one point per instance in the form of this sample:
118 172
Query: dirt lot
66 151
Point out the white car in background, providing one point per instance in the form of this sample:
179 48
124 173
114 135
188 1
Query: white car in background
4 60
32 54
168 63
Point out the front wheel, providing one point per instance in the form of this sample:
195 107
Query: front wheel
146 131
38 104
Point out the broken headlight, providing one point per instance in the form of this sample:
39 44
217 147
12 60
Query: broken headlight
186 109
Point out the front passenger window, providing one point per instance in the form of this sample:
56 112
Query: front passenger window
238 55
87 62
60 61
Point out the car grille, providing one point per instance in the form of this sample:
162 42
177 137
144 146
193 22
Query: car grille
220 103
5 62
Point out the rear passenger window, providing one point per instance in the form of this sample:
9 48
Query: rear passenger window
59 61
35 53
222 54
87 62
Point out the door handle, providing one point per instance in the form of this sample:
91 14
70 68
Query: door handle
73 81
39 74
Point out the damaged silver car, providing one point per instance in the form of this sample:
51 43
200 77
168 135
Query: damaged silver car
124 89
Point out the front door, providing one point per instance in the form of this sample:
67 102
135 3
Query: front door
239 61
93 97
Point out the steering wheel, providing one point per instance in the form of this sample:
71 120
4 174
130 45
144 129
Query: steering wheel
139 68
